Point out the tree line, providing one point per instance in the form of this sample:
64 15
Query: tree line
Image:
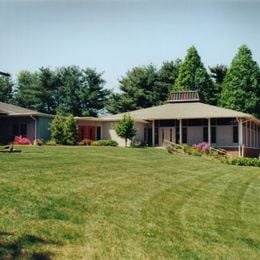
82 92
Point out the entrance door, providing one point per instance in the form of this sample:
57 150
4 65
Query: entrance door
87 132
166 133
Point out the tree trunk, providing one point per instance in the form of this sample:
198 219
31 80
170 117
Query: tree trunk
125 142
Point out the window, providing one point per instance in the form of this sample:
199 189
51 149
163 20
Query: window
167 123
213 134
177 135
98 133
184 135
235 134
205 134
170 134
156 136
227 121
23 129
20 129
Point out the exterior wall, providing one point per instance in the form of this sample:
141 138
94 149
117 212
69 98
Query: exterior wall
89 123
108 132
224 135
194 134
6 128
43 125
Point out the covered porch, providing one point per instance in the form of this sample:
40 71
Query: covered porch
239 136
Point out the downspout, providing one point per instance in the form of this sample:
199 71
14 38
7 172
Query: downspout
35 129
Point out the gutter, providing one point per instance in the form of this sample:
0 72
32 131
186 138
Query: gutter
35 128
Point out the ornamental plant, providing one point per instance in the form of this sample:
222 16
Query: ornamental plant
19 140
125 128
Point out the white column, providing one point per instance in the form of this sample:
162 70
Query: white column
240 132
209 132
180 130
250 134
153 132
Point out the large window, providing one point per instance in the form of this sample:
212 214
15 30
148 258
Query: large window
206 136
20 129
235 134
98 133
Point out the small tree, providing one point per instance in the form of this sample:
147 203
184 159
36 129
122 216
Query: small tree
70 131
57 129
125 128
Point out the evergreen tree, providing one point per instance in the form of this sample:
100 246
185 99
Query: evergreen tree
70 131
6 89
241 86
92 94
28 92
69 81
194 76
125 128
57 129
48 85
217 73
143 87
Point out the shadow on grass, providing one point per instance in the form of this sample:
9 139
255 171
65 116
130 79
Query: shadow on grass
16 249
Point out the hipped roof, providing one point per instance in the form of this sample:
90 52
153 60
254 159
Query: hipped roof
189 110
12 110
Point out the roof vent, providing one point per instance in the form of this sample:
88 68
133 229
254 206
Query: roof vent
184 96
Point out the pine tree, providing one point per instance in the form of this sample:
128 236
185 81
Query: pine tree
241 86
6 89
194 76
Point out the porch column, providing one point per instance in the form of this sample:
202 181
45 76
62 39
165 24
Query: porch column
240 136
153 132
209 132
250 134
180 127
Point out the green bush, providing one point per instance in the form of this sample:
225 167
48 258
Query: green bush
246 162
108 142
137 144
51 142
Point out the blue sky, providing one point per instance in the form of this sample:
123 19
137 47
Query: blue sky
116 35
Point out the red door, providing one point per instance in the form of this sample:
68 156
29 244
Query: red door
87 132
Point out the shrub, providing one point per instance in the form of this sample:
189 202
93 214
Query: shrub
137 144
39 142
70 131
108 142
21 140
57 129
204 147
85 142
51 142
246 162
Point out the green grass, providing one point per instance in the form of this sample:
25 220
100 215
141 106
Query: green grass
114 203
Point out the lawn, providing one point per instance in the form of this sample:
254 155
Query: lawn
114 203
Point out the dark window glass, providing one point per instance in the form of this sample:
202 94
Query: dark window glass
156 136
185 122
166 123
205 134
23 129
98 133
205 122
177 135
213 134
170 134
15 130
184 135
150 137
235 134
213 121
195 122
156 123
227 121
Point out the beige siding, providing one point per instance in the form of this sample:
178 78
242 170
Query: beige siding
224 135
108 132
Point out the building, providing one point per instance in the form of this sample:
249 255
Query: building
16 121
183 119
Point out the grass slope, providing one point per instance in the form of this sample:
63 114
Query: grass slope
94 202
